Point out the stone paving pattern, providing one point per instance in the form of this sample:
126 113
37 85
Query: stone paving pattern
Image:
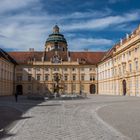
68 120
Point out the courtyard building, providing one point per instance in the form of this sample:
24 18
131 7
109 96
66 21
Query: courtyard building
119 70
56 69
37 72
7 73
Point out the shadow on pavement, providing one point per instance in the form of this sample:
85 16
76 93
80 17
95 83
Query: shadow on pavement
11 112
4 134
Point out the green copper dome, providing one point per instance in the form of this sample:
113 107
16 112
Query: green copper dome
56 36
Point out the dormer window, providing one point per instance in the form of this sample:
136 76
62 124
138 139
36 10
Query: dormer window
82 61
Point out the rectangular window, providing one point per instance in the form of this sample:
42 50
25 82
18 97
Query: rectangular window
130 67
65 87
73 69
82 77
123 56
46 69
120 72
109 73
136 50
46 77
90 69
65 77
90 77
29 77
38 77
65 69
129 53
29 69
37 69
112 72
136 65
115 71
19 78
56 69
124 69
74 77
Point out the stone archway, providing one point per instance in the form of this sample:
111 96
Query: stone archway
19 89
124 87
92 89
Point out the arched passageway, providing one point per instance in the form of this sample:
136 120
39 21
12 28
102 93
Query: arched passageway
92 89
124 87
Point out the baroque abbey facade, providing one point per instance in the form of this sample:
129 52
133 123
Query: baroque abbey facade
56 69
119 70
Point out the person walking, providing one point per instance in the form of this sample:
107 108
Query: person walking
16 96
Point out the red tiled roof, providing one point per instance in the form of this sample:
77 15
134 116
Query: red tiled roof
23 57
88 57
49 55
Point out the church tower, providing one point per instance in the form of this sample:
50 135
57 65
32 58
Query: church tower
56 41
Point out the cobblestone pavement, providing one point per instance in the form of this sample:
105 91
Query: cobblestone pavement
68 120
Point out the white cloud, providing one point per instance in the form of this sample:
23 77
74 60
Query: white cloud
104 22
89 14
116 1
97 44
26 30
23 37
9 5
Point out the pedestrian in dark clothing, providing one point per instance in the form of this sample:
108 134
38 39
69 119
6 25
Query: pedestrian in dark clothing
16 96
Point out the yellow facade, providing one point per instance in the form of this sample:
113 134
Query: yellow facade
119 74
6 77
38 77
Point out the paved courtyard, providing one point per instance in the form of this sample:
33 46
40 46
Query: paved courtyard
95 118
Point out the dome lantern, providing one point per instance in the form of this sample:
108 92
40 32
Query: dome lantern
56 29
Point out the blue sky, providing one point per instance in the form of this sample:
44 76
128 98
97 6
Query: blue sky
87 24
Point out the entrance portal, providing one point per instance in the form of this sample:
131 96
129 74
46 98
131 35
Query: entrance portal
19 89
124 87
92 89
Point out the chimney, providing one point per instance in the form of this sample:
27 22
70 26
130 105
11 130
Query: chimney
42 58
86 49
68 55
139 27
121 41
77 60
127 36
31 49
